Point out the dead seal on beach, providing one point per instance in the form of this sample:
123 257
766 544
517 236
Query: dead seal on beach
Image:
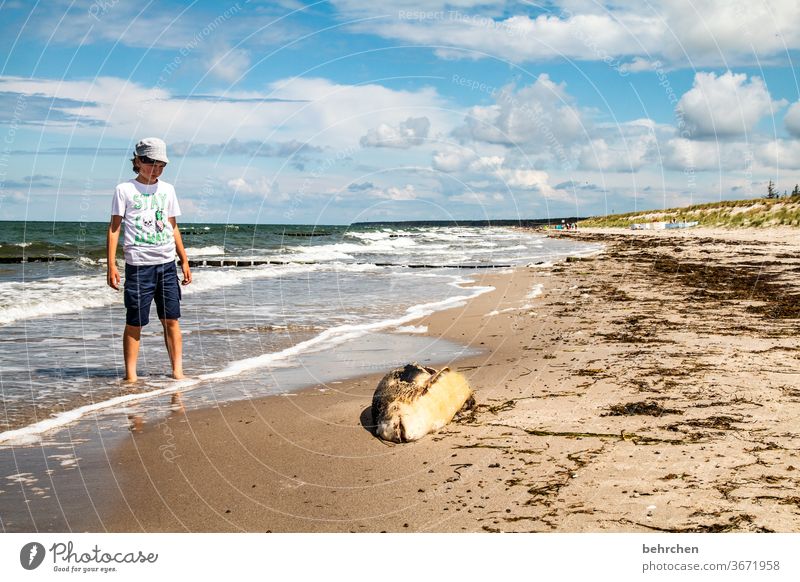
412 401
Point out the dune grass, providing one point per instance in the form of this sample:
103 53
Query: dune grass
758 213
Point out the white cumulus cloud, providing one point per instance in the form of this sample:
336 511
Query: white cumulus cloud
517 178
478 198
726 105
624 34
410 132
314 111
370 190
686 154
792 119
452 159
407 192
779 154
542 116
622 155
259 187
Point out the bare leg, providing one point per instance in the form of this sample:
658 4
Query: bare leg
130 351
174 342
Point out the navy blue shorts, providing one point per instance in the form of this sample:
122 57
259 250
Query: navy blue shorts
143 283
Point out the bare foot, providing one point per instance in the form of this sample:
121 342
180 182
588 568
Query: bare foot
130 379
178 374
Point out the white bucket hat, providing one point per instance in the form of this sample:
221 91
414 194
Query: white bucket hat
153 148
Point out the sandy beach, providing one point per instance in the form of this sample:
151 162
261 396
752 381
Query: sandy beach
653 387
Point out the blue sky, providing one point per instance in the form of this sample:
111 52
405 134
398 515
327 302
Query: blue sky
347 110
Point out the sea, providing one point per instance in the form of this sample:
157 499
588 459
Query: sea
271 309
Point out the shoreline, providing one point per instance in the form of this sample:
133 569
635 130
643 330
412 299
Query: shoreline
331 339
634 395
340 410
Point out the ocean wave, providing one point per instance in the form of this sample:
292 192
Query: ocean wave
209 279
205 251
87 262
382 234
344 251
72 294
315 254
49 297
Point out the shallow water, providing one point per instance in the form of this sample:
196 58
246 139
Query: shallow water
67 481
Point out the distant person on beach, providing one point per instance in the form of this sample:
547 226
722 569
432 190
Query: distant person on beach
148 207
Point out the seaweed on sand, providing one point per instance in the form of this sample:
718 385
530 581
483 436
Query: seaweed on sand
730 282
735 523
640 408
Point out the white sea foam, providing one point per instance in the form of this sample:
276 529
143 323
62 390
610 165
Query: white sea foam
86 261
382 234
49 297
345 251
211 251
60 295
23 478
317 254
413 329
209 279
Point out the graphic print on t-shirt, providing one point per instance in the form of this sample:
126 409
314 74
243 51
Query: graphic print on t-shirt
149 223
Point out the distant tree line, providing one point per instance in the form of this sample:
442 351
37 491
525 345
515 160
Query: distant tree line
773 193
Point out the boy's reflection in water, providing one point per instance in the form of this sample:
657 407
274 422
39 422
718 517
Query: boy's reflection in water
136 420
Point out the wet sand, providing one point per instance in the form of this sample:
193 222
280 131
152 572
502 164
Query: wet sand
655 387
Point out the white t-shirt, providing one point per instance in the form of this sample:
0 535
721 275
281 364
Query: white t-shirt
145 210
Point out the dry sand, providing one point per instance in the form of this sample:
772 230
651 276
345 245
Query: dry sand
655 387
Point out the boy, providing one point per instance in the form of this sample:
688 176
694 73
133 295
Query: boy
148 207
